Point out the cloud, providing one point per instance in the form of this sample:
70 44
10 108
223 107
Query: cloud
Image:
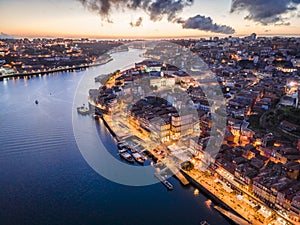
138 23
206 24
157 9
170 8
265 11
283 23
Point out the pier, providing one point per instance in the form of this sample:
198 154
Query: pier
164 181
236 219
109 129
177 173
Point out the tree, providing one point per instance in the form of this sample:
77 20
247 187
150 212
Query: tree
187 166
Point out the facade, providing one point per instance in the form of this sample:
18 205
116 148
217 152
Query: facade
182 125
160 82
295 208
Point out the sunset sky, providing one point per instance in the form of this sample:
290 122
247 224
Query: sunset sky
74 18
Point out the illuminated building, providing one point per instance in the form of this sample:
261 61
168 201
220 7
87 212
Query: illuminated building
182 125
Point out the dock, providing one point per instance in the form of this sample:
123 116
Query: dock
164 181
236 219
109 129
180 177
177 173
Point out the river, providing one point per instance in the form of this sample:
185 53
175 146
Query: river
46 180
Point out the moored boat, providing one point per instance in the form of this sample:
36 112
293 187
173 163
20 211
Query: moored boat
122 145
133 150
122 150
83 110
138 157
168 184
127 157
164 181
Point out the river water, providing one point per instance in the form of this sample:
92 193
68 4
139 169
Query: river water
44 177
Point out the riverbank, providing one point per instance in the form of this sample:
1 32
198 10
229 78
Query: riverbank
113 134
213 191
210 193
50 71
229 200
45 170
239 201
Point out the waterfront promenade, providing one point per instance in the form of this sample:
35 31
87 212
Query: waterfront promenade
196 177
229 199
207 182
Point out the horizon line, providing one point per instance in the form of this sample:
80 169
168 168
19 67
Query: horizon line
115 37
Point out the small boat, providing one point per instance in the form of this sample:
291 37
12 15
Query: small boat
122 145
122 150
138 157
164 181
127 157
36 102
168 184
204 222
83 110
132 150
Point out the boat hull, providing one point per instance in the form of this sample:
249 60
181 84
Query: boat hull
127 157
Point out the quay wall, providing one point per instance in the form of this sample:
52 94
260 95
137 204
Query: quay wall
210 195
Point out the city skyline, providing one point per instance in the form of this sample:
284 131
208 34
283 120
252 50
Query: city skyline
158 19
96 130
